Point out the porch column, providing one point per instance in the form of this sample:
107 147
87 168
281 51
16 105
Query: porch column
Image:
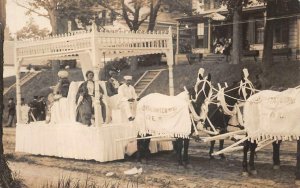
209 36
265 18
212 4
171 78
298 23
177 38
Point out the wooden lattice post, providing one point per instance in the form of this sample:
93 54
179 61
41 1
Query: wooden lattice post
18 84
96 69
170 62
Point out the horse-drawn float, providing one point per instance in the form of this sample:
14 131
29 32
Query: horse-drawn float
63 136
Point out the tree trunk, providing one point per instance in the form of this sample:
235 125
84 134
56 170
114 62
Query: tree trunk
153 14
53 21
268 44
6 179
236 41
55 64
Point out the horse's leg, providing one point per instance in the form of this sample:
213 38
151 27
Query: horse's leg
221 146
251 160
245 161
298 161
211 149
146 148
186 144
276 155
179 145
139 144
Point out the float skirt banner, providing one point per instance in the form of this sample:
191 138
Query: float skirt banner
273 114
159 114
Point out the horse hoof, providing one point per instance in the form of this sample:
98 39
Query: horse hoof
276 167
211 157
222 157
245 174
253 172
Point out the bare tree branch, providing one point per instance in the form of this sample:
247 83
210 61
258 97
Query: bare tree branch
105 5
32 10
125 16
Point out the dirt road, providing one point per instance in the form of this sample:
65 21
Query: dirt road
160 171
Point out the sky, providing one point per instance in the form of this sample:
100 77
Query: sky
16 17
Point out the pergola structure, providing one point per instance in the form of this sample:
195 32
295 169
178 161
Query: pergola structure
96 45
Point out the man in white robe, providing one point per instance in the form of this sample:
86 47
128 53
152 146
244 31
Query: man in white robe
127 98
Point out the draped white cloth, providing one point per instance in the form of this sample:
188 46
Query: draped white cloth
159 114
64 109
74 141
80 142
273 114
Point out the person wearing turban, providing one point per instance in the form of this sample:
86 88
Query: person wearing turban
62 87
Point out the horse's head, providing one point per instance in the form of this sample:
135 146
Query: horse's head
231 94
246 88
203 90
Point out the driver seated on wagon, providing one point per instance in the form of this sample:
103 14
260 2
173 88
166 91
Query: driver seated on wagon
127 98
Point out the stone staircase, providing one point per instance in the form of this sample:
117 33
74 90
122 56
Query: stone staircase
145 80
214 58
23 80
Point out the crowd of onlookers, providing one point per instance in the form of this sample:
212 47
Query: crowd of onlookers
35 110
222 46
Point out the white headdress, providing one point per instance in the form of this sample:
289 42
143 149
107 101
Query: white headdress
62 74
127 77
201 72
246 73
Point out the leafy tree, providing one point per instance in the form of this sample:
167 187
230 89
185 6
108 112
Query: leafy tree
274 10
31 30
235 8
5 172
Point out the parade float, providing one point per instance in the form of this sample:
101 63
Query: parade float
63 136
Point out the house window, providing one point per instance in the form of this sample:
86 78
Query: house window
206 4
259 32
217 4
281 32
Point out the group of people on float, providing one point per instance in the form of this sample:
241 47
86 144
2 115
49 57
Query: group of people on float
117 95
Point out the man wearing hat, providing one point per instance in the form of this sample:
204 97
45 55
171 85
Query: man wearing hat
41 108
112 84
34 109
127 97
11 112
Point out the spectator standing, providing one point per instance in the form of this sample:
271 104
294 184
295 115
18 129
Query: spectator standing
34 109
11 107
24 111
42 108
